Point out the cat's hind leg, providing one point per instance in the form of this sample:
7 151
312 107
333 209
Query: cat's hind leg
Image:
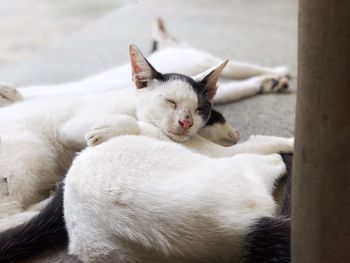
90 238
241 70
30 167
236 90
8 94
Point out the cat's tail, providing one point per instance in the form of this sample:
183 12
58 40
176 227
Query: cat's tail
268 240
40 232
161 37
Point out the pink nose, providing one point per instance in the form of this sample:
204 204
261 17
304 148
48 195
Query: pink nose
185 124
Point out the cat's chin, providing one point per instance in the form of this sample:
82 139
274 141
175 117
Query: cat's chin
177 137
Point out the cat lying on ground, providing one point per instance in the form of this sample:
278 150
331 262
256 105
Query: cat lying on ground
140 199
170 56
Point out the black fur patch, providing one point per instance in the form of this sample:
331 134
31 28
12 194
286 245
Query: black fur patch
268 241
288 161
204 105
40 232
215 117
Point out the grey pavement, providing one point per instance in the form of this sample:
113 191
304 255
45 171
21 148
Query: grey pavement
262 32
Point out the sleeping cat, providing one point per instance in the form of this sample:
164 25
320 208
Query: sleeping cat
130 200
169 56
40 137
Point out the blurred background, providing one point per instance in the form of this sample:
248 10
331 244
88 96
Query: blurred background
44 41
30 25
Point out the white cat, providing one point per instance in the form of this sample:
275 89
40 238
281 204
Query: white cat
135 199
170 56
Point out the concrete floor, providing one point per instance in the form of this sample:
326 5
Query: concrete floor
29 26
262 32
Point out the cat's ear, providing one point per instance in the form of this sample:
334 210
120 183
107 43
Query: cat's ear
142 70
210 78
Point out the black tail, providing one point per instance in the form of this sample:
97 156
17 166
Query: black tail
268 241
40 232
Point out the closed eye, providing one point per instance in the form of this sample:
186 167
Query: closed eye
173 103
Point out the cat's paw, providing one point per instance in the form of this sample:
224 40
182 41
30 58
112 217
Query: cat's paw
282 71
273 84
100 134
8 94
221 133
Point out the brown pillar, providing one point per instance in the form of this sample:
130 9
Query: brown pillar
321 183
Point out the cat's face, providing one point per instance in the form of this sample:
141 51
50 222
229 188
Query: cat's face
177 104
173 105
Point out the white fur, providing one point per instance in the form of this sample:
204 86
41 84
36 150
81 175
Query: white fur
40 137
156 201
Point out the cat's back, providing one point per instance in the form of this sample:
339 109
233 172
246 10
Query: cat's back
120 101
37 108
171 59
134 155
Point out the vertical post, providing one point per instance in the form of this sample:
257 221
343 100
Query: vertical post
321 183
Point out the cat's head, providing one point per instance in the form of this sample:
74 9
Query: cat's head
179 105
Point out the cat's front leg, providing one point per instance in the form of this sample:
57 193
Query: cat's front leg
88 130
256 144
8 94
124 126
261 144
106 129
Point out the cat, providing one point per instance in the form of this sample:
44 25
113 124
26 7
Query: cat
40 137
141 199
168 56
